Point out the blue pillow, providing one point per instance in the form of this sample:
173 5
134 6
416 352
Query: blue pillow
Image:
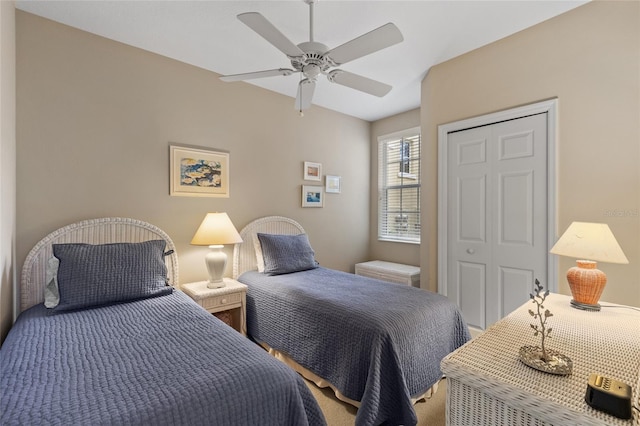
284 254
93 275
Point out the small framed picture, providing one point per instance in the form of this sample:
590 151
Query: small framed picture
198 172
332 184
312 196
312 171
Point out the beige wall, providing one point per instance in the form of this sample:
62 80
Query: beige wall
7 163
589 58
95 119
385 250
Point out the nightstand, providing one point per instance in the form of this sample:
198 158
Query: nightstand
231 298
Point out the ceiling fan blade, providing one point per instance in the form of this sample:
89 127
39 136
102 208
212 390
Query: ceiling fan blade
259 24
306 88
384 36
359 82
257 74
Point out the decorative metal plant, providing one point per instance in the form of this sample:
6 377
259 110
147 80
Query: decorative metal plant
542 317
541 358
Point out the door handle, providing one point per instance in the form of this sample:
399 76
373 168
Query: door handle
470 251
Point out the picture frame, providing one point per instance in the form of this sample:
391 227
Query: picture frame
312 196
332 184
312 171
198 172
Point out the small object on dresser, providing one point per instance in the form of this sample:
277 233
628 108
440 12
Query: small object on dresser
609 395
541 358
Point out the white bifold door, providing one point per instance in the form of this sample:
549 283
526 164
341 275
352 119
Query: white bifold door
497 216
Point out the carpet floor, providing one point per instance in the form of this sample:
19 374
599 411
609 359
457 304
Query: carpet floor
337 413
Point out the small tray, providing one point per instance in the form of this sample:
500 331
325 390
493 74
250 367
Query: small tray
559 364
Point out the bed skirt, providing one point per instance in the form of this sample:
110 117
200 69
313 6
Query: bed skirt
322 383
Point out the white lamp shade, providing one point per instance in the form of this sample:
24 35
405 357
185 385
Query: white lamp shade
216 229
590 241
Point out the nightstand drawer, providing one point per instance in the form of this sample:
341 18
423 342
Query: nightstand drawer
221 301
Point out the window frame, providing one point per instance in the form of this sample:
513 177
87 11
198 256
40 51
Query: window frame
403 172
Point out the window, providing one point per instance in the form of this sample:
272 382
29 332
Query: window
405 150
399 187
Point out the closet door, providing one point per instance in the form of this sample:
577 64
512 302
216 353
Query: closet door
497 216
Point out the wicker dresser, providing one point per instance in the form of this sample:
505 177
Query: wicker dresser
489 385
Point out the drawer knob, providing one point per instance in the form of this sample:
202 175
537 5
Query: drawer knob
224 300
470 251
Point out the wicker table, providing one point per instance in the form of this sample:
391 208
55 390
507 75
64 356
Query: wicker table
489 385
228 303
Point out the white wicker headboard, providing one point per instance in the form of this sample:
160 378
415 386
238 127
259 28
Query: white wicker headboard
93 231
244 255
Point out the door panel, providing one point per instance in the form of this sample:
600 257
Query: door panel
516 145
497 208
471 283
515 285
515 213
467 234
472 152
472 199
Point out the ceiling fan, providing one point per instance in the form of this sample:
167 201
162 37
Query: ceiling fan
312 58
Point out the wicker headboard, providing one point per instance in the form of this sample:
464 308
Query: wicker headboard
93 231
244 255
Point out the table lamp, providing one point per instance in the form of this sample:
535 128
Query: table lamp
215 231
589 242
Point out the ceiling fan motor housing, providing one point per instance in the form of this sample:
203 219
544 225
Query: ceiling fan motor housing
313 62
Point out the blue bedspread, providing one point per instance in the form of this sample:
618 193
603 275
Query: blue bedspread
159 361
376 342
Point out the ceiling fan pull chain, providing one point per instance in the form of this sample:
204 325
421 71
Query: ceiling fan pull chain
300 105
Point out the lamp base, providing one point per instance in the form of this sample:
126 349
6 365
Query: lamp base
585 306
218 284
586 283
216 261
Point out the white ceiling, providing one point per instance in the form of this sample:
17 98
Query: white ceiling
208 35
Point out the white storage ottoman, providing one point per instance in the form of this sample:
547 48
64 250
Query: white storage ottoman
391 272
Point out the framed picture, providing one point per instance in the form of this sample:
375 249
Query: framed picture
312 196
332 184
312 171
198 172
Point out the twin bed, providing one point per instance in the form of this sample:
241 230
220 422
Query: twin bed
132 350
118 344
377 345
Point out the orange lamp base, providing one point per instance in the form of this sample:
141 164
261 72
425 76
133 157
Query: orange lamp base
586 283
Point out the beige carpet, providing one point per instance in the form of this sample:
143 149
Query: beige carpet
430 412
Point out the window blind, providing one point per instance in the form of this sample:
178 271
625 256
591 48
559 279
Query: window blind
399 189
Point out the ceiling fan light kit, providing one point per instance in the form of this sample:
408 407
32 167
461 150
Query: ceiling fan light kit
312 58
